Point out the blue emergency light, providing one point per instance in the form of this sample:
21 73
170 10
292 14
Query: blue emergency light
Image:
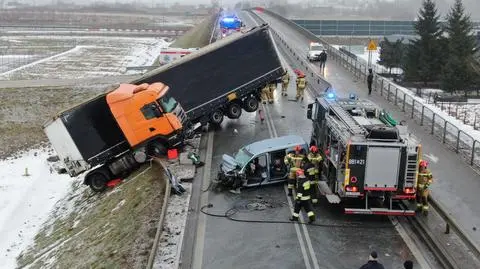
228 20
330 95
353 96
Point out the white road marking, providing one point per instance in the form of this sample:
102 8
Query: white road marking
431 157
200 233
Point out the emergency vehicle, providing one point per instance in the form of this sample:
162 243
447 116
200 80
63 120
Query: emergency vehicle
314 50
367 155
230 25
168 55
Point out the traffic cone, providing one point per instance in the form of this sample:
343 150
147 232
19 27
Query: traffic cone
260 114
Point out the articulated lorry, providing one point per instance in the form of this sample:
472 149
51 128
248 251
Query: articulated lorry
110 135
368 157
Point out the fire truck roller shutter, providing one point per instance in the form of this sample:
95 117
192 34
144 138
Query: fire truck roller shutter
382 168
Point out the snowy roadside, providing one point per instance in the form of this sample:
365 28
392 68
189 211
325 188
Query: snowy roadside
26 201
170 245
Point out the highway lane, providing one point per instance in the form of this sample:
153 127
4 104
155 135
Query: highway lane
230 244
456 183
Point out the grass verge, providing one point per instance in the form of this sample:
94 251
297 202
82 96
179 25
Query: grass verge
115 229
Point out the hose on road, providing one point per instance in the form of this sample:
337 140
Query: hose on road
233 211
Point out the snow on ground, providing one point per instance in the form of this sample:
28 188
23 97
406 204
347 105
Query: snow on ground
26 201
170 244
92 57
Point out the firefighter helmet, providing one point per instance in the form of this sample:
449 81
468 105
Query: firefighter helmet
298 148
300 173
423 164
314 149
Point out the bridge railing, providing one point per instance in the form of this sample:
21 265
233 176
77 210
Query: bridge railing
450 132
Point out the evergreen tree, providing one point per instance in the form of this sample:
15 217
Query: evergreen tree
424 55
391 53
458 72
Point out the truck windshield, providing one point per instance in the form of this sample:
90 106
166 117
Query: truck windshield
243 156
316 48
168 103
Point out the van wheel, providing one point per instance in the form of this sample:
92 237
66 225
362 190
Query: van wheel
216 117
250 104
158 149
234 110
97 181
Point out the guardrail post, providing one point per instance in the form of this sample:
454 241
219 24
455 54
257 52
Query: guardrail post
404 100
473 152
388 96
423 112
458 141
447 228
433 123
396 95
445 132
381 87
413 108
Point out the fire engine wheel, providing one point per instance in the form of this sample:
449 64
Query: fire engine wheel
216 117
234 110
250 104
97 181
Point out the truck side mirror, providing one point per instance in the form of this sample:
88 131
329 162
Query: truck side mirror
309 111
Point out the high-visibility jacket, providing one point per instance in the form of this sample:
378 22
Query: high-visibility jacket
310 170
286 78
301 83
272 86
303 187
294 160
425 178
315 158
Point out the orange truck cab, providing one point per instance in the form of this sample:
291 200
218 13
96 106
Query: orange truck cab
146 112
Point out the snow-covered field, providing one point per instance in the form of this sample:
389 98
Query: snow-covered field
91 57
26 200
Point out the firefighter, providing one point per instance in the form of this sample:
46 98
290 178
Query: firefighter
424 180
285 82
316 159
301 85
264 95
303 199
272 87
293 160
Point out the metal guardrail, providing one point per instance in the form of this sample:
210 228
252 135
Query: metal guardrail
439 127
153 251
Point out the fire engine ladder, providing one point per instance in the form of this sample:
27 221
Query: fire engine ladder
347 119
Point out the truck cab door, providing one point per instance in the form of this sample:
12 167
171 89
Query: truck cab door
151 123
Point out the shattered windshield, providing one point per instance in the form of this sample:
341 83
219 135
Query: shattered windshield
243 156
168 103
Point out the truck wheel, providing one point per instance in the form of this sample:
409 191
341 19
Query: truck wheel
97 181
216 117
157 149
250 104
234 110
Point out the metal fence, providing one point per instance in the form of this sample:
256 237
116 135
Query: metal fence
437 125
357 27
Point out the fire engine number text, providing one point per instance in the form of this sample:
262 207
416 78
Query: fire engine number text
356 162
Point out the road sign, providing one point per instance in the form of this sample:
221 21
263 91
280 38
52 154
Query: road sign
372 46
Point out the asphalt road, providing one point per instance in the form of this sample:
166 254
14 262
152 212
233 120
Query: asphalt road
341 242
456 184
